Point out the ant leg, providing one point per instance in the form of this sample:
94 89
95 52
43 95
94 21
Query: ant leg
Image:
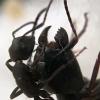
13 33
77 53
47 9
84 27
75 39
35 23
15 93
94 74
42 11
96 90
72 34
8 65
36 20
90 89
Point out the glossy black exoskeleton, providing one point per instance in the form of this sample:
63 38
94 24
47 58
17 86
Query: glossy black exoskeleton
57 54
25 76
22 47
61 68
27 82
55 68
54 59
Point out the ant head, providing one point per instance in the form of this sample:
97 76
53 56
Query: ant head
21 48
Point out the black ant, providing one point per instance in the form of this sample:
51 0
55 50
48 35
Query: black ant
55 68
60 69
26 77
26 80
22 47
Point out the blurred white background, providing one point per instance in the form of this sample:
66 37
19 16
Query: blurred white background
14 13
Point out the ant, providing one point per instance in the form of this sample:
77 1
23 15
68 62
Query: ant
55 69
22 47
26 77
60 69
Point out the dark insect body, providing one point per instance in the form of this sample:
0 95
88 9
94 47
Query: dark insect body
22 47
25 76
55 69
26 81
61 68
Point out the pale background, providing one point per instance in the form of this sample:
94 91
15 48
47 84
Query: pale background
57 18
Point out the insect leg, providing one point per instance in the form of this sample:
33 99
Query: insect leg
83 30
13 33
38 16
47 9
80 51
85 25
8 65
36 20
15 93
94 74
91 90
96 90
75 39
